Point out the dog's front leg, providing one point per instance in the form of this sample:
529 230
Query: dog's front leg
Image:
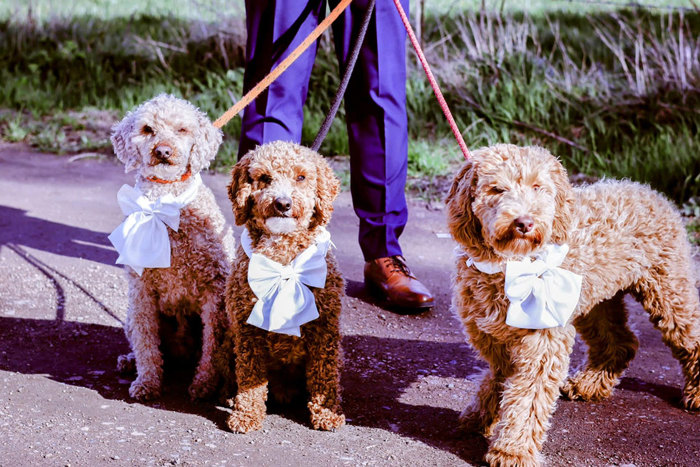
205 377
482 414
142 331
323 374
251 375
540 362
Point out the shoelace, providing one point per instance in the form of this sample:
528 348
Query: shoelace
398 264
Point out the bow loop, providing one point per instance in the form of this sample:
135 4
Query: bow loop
541 294
142 240
285 301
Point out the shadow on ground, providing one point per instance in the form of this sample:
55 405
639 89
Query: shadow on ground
669 394
18 228
85 355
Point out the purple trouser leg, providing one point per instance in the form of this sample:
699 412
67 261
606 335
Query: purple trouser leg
275 28
374 104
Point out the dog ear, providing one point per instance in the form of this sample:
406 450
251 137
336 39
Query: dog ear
327 189
121 141
239 191
463 224
207 139
564 201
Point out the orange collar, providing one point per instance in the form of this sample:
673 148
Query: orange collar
184 177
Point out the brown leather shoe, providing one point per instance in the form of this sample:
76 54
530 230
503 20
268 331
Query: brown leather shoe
391 278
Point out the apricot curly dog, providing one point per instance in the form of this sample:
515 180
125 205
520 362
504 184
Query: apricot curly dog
510 203
178 309
283 194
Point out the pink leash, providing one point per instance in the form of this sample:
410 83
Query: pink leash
433 81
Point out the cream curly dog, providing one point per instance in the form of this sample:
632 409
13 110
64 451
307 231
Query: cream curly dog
168 142
509 202
283 194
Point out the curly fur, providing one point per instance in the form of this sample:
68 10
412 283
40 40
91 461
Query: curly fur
623 237
263 175
162 300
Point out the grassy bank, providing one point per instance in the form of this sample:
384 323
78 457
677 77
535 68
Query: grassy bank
614 92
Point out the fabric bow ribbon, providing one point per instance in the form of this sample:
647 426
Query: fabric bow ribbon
142 239
542 295
285 301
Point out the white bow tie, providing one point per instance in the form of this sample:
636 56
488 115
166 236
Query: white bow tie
142 239
284 299
542 295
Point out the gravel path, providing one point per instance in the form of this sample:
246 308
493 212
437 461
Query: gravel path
406 378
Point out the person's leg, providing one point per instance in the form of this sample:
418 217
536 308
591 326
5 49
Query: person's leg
275 28
375 106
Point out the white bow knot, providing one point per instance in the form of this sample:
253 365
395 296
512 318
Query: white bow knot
285 301
142 240
542 295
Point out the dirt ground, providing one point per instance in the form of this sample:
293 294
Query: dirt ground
406 378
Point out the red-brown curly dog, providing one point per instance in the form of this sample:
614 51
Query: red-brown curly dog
283 194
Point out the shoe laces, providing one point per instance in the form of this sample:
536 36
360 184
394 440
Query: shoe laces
398 264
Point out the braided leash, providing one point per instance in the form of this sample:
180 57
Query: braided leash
326 125
315 34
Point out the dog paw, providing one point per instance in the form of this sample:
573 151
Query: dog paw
470 421
126 364
691 398
201 388
243 422
498 458
323 418
589 386
229 402
144 390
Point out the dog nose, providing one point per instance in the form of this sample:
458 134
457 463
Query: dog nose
163 151
523 224
283 204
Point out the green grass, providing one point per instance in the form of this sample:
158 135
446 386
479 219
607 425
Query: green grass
612 91
47 11
542 7
691 211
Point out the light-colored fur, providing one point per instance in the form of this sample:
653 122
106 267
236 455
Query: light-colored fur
200 250
263 175
623 238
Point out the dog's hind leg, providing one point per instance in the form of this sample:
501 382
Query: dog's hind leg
205 377
143 335
670 297
611 346
540 362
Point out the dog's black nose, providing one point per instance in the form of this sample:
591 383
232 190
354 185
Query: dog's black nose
283 204
163 151
523 224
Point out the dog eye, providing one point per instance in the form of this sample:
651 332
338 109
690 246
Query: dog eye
183 130
265 178
147 130
496 190
301 178
536 187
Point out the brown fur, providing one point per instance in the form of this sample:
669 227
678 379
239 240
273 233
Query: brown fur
623 237
201 250
270 171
